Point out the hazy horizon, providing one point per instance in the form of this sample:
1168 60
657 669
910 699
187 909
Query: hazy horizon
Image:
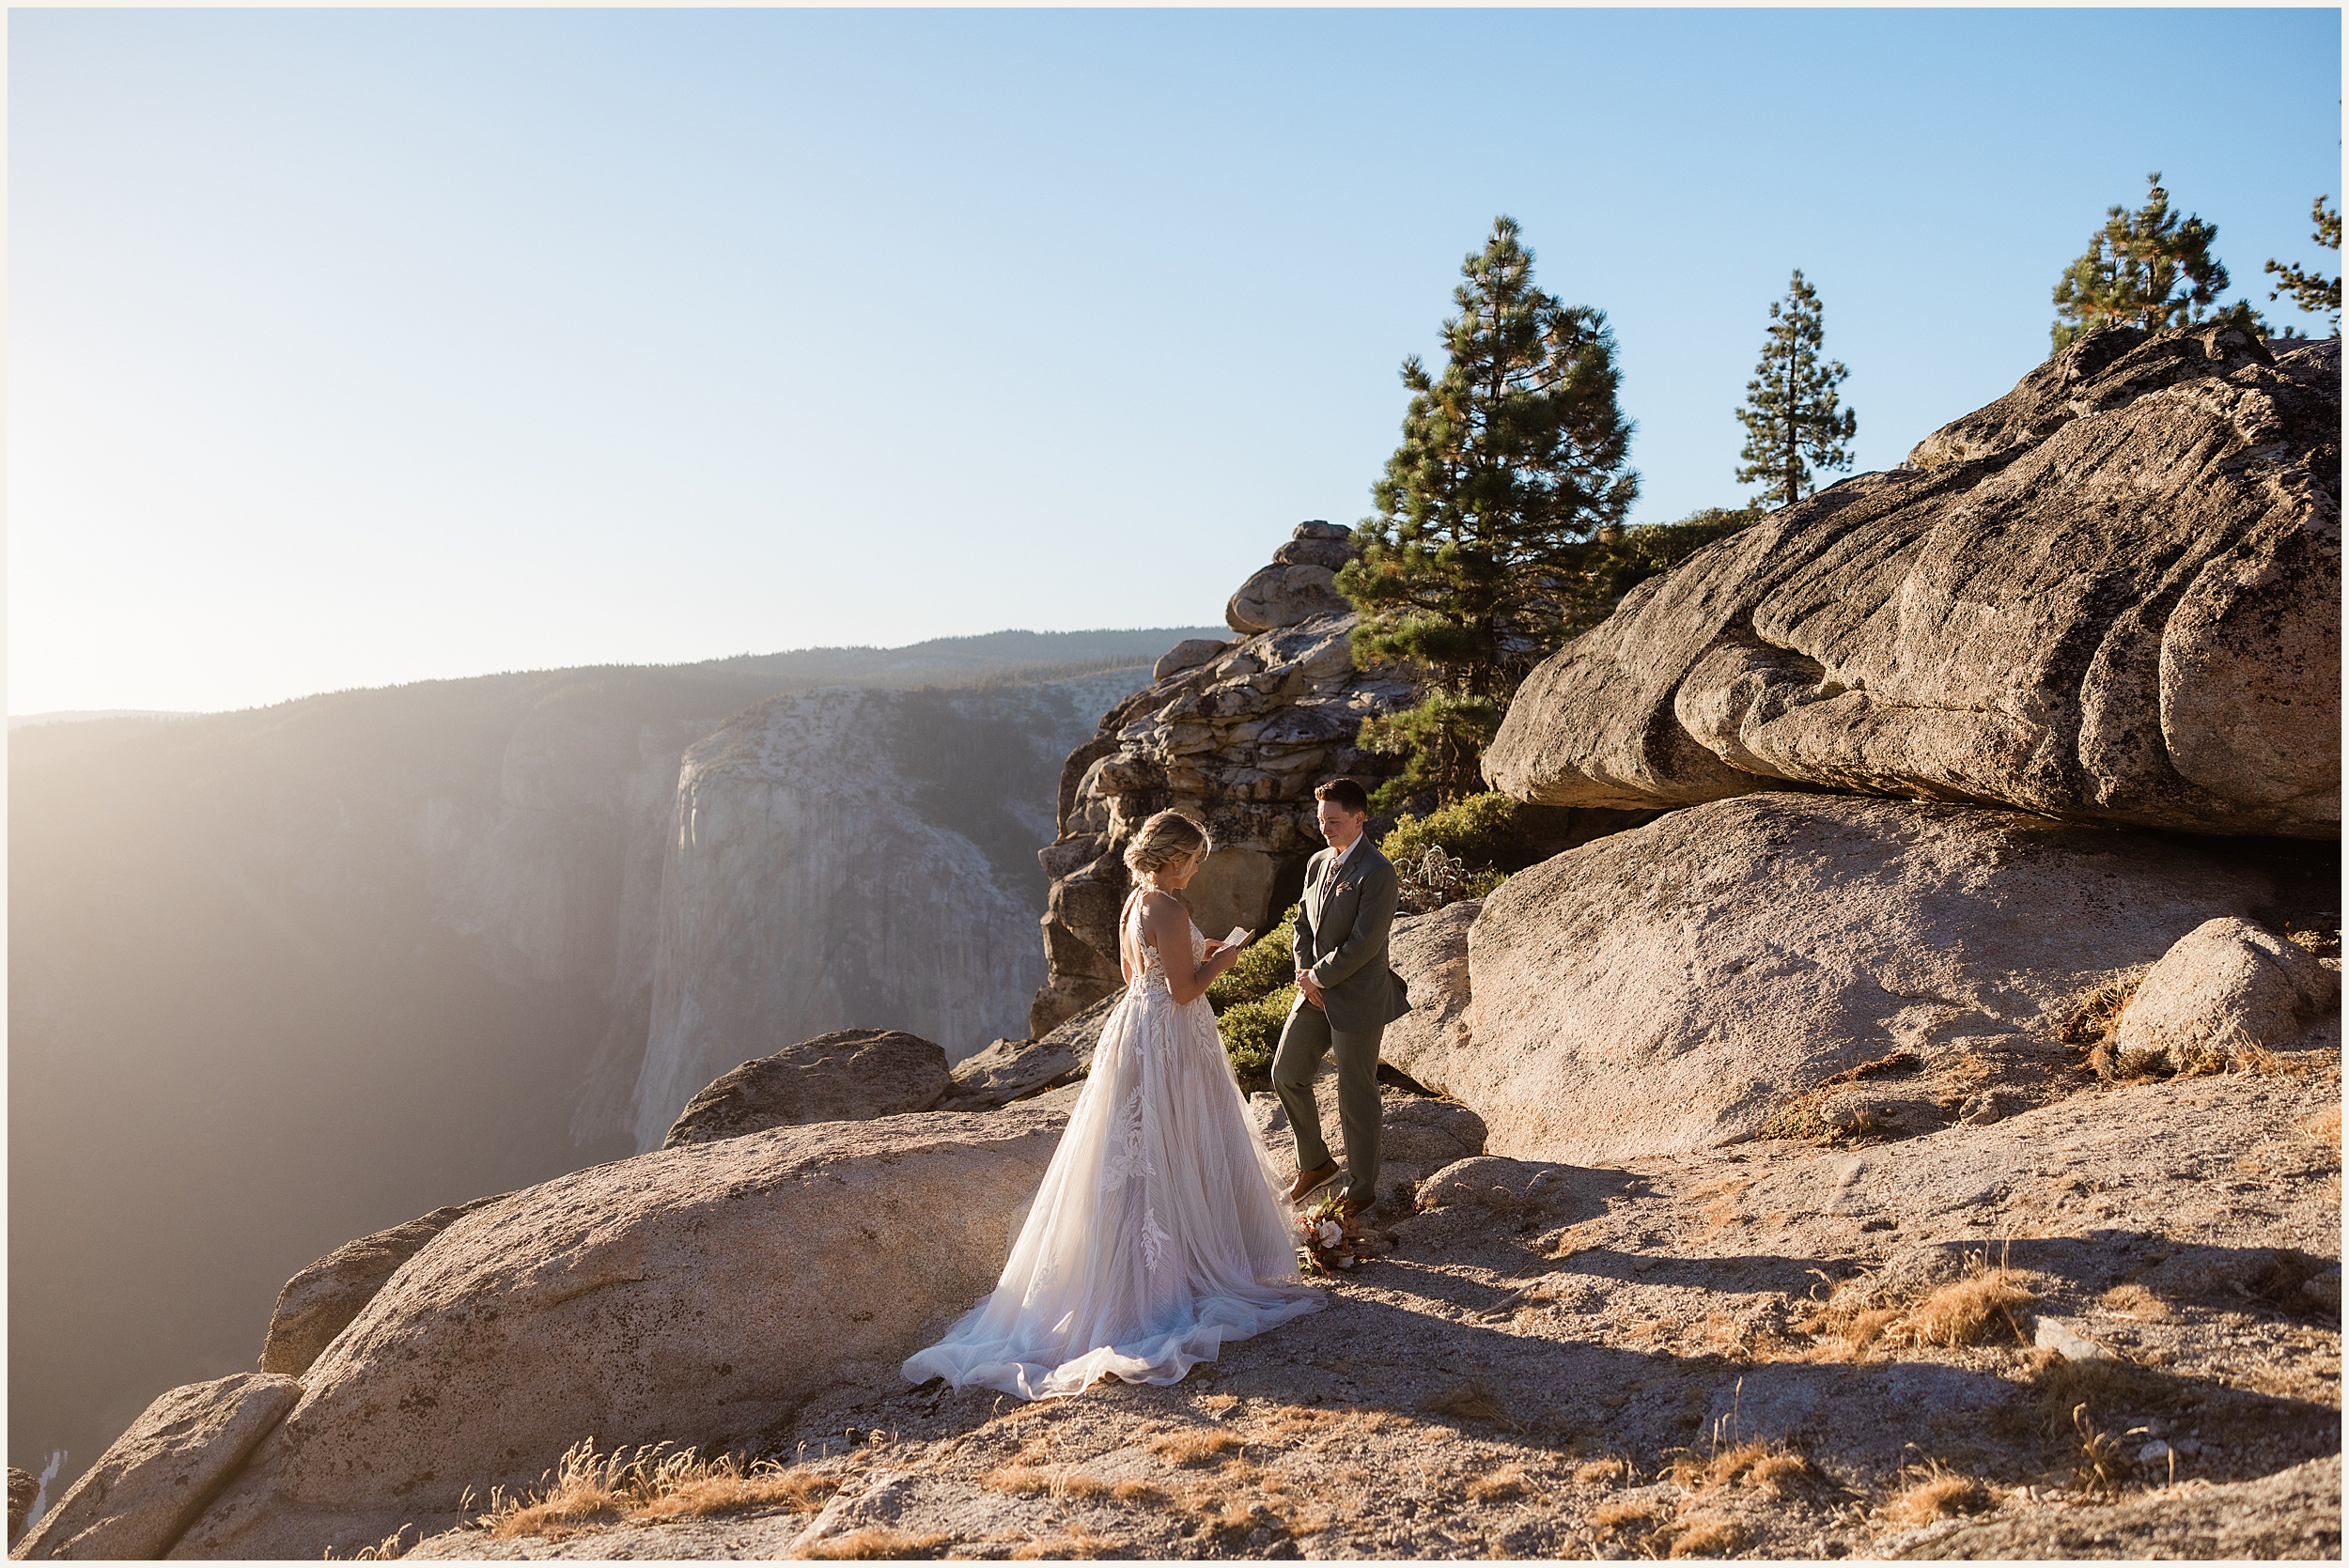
356 347
1178 632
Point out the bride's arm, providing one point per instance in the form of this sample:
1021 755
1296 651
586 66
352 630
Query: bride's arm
1169 925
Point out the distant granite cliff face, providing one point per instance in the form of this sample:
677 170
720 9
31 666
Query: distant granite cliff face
862 858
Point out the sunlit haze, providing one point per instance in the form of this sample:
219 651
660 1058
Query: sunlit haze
352 347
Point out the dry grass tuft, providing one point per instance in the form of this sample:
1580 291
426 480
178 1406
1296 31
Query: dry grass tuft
384 1550
2099 1465
1470 1402
2325 1128
1187 1448
1080 1547
1599 1472
1140 1493
2278 1277
1782 1474
1500 1486
1623 1517
1970 1311
1940 1494
2133 1300
647 1484
2076 1398
2091 1017
878 1544
1020 1480
1284 1421
1767 1467
2107 1382
1706 1537
1973 1309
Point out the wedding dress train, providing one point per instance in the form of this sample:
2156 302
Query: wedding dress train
1157 1234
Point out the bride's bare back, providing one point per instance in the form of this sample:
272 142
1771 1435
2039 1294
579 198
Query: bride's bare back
1165 927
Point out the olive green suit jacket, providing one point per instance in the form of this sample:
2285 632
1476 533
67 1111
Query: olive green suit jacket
1341 938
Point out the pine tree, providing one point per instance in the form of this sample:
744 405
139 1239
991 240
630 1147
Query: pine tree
2310 291
2145 269
1793 421
1513 456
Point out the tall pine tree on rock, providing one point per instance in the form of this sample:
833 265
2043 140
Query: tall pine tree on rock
1513 456
2147 269
1794 422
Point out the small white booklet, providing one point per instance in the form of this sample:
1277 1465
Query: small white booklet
1239 934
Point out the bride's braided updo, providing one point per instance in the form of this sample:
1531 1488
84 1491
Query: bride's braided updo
1164 839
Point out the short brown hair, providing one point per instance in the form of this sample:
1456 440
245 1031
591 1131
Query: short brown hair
1346 794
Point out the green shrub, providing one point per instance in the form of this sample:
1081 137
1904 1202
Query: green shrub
1268 962
1482 831
1252 1029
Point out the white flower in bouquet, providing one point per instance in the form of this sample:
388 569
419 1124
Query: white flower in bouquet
1331 1233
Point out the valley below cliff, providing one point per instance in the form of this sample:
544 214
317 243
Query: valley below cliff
287 976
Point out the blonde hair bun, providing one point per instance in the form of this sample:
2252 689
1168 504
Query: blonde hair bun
1165 838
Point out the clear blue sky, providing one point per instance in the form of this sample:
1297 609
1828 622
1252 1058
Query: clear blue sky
349 348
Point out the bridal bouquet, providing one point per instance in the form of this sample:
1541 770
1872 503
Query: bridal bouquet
1328 1239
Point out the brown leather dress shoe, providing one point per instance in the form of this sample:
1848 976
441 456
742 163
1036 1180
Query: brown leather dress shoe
1307 1180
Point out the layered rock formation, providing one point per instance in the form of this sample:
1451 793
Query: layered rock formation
1238 739
854 858
2113 595
695 1295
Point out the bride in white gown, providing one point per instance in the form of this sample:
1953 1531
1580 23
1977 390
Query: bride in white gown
1158 1233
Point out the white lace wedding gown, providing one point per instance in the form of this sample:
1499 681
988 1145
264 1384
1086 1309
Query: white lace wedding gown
1157 1234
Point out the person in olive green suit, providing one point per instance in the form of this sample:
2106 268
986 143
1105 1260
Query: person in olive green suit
1345 995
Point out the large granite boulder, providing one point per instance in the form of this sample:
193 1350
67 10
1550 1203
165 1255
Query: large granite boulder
696 1294
2113 595
2225 985
160 1474
1282 595
1668 988
1300 583
1189 653
1238 741
319 1302
1431 953
849 1075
